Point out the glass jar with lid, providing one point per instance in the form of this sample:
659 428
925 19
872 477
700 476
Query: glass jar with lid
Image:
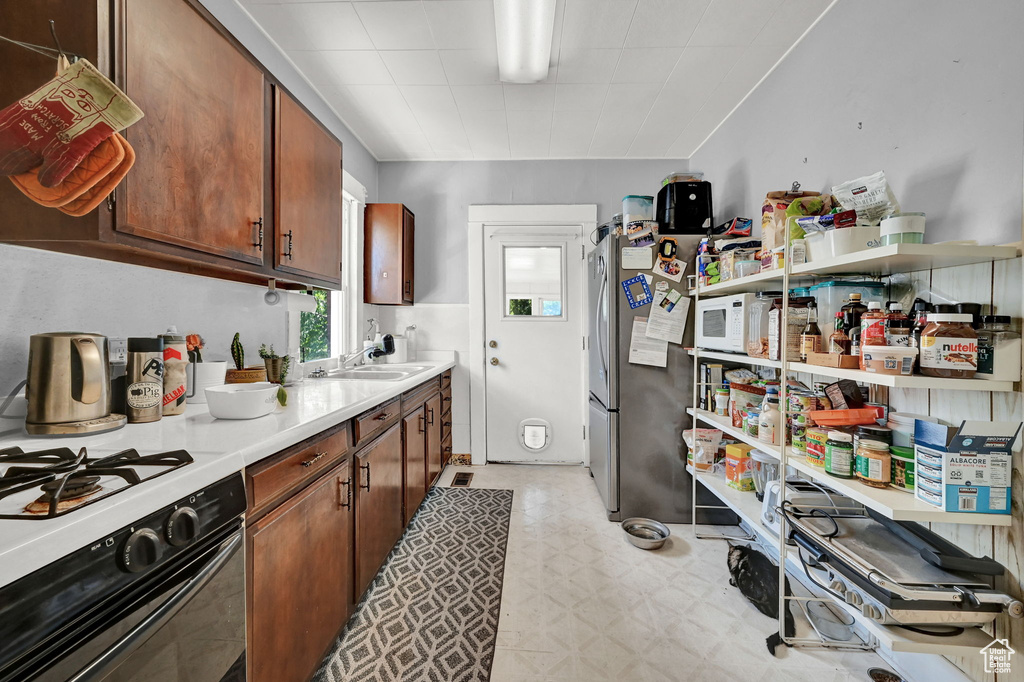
874 463
757 327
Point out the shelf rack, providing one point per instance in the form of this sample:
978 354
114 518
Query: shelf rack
880 261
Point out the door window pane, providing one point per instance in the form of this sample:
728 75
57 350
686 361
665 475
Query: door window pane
533 281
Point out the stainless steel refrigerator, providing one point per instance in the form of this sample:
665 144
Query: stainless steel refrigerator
638 412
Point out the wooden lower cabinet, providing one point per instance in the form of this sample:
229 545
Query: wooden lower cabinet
414 428
434 422
301 575
379 498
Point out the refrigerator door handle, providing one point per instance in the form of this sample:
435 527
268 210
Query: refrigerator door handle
601 296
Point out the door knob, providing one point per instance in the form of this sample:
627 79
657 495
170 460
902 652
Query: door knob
494 361
492 343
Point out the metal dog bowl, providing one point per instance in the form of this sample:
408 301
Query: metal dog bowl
645 533
883 675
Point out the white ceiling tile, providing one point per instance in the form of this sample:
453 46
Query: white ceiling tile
587 66
357 67
396 25
312 26
529 134
596 23
479 97
624 112
283 25
556 33
572 132
664 23
374 98
789 22
438 124
533 97
314 66
482 125
732 22
580 97
415 67
754 63
646 64
434 98
635 99
714 111
470 67
701 69
462 24
414 143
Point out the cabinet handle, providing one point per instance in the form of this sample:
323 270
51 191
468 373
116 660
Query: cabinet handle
288 253
408 286
448 424
367 467
446 400
314 459
430 411
423 423
448 449
383 416
345 483
259 233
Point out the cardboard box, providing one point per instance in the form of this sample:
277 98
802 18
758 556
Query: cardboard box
738 472
833 360
975 464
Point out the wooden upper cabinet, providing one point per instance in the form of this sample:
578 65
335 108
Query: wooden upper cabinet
389 255
307 180
200 149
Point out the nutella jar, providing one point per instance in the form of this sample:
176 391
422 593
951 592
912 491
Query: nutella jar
949 346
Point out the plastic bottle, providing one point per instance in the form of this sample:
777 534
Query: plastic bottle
768 425
839 342
872 328
810 338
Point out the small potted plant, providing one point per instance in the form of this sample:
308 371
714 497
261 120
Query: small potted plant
242 374
277 365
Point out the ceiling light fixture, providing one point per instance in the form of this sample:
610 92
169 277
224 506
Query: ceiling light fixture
524 29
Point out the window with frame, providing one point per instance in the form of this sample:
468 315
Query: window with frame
533 280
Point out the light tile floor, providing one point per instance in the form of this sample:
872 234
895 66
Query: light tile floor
580 603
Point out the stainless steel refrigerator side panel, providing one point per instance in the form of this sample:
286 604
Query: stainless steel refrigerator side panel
604 465
597 319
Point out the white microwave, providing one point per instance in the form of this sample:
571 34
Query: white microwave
722 322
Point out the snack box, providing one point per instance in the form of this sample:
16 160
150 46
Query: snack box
967 468
738 472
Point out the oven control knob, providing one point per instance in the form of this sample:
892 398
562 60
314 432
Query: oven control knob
853 598
838 586
871 611
182 526
141 550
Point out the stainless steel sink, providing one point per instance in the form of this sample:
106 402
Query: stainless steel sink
377 372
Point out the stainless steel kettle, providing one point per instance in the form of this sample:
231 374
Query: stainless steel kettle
68 387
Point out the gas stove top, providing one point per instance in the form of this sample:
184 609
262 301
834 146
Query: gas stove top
45 484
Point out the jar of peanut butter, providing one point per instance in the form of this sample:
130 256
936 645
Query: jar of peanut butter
949 346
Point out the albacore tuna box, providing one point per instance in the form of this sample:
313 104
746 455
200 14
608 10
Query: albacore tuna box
976 461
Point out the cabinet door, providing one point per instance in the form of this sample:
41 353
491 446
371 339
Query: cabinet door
307 183
198 175
414 430
408 254
379 499
434 420
384 259
301 579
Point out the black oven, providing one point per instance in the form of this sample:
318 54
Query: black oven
161 600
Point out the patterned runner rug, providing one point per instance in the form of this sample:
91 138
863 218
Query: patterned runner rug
431 613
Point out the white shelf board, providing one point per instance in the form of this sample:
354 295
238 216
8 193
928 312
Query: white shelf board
879 261
747 507
890 502
916 381
887 260
736 357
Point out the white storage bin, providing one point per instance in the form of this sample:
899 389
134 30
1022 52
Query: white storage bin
833 294
851 239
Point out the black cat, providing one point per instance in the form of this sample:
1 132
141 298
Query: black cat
758 579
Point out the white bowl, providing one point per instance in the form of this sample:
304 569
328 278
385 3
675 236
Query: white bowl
242 401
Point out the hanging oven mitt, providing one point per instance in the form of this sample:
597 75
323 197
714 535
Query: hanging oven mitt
94 168
61 122
98 192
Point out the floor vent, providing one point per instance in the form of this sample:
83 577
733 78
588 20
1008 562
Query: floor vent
462 480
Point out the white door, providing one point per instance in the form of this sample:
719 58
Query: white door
533 324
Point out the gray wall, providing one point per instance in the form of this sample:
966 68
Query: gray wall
46 291
927 90
440 192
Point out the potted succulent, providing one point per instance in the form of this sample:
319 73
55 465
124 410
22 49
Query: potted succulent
242 374
277 365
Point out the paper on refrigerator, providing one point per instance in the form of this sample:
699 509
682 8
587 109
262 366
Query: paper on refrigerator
667 320
644 350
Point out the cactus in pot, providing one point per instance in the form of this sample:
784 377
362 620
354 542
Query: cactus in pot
242 374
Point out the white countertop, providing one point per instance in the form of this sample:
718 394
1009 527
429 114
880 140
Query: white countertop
219 448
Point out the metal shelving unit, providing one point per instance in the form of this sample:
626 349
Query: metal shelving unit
881 261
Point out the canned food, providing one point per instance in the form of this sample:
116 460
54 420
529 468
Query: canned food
815 439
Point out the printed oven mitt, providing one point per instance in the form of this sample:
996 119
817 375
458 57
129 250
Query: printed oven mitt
62 122
96 166
99 191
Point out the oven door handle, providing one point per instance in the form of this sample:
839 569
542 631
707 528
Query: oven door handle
140 634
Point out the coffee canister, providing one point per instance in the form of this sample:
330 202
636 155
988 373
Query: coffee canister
175 371
145 395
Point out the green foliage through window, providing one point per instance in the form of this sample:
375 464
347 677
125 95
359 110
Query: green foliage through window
315 329
520 306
